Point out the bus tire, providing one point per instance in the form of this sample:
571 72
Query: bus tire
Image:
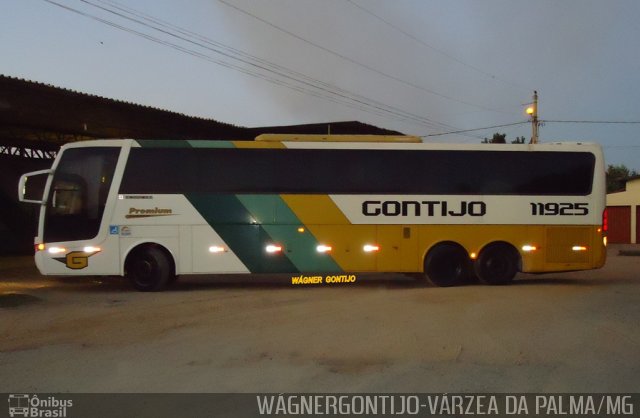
497 264
149 268
446 264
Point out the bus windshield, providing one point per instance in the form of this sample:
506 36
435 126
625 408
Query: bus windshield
78 193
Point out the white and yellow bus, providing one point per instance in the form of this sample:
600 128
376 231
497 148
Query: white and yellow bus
155 209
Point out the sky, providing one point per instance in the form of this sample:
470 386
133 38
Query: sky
421 67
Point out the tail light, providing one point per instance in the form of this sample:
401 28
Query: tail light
605 220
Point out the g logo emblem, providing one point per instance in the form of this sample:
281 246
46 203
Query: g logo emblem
77 260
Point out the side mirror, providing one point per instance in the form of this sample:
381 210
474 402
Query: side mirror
31 186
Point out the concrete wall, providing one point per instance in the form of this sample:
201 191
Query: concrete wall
630 197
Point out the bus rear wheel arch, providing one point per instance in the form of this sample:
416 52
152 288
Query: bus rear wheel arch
447 264
498 263
150 267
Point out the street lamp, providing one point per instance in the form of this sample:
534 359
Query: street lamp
532 111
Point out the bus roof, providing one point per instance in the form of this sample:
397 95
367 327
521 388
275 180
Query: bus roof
303 142
337 138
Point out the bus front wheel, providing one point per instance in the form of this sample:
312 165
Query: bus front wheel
446 264
497 264
149 268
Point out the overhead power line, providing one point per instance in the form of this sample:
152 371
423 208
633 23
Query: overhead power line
545 121
433 48
274 73
358 63
593 121
475 129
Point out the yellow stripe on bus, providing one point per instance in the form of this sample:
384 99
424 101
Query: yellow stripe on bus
322 218
255 144
402 248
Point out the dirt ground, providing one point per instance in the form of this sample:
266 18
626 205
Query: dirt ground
570 332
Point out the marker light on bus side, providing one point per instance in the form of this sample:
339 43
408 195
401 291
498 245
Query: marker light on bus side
323 248
368 248
273 248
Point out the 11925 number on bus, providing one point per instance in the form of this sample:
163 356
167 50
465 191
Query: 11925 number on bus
559 209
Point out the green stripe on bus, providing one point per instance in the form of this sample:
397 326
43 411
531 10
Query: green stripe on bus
204 143
261 207
233 222
163 143
282 224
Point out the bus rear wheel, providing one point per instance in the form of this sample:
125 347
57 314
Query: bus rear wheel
446 264
497 264
149 268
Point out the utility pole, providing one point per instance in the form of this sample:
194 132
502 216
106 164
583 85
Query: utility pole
533 112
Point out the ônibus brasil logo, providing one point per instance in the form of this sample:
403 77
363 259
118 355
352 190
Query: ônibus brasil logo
23 405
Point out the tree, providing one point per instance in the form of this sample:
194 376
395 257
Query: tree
498 138
617 176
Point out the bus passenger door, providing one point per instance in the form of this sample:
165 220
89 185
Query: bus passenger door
398 248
